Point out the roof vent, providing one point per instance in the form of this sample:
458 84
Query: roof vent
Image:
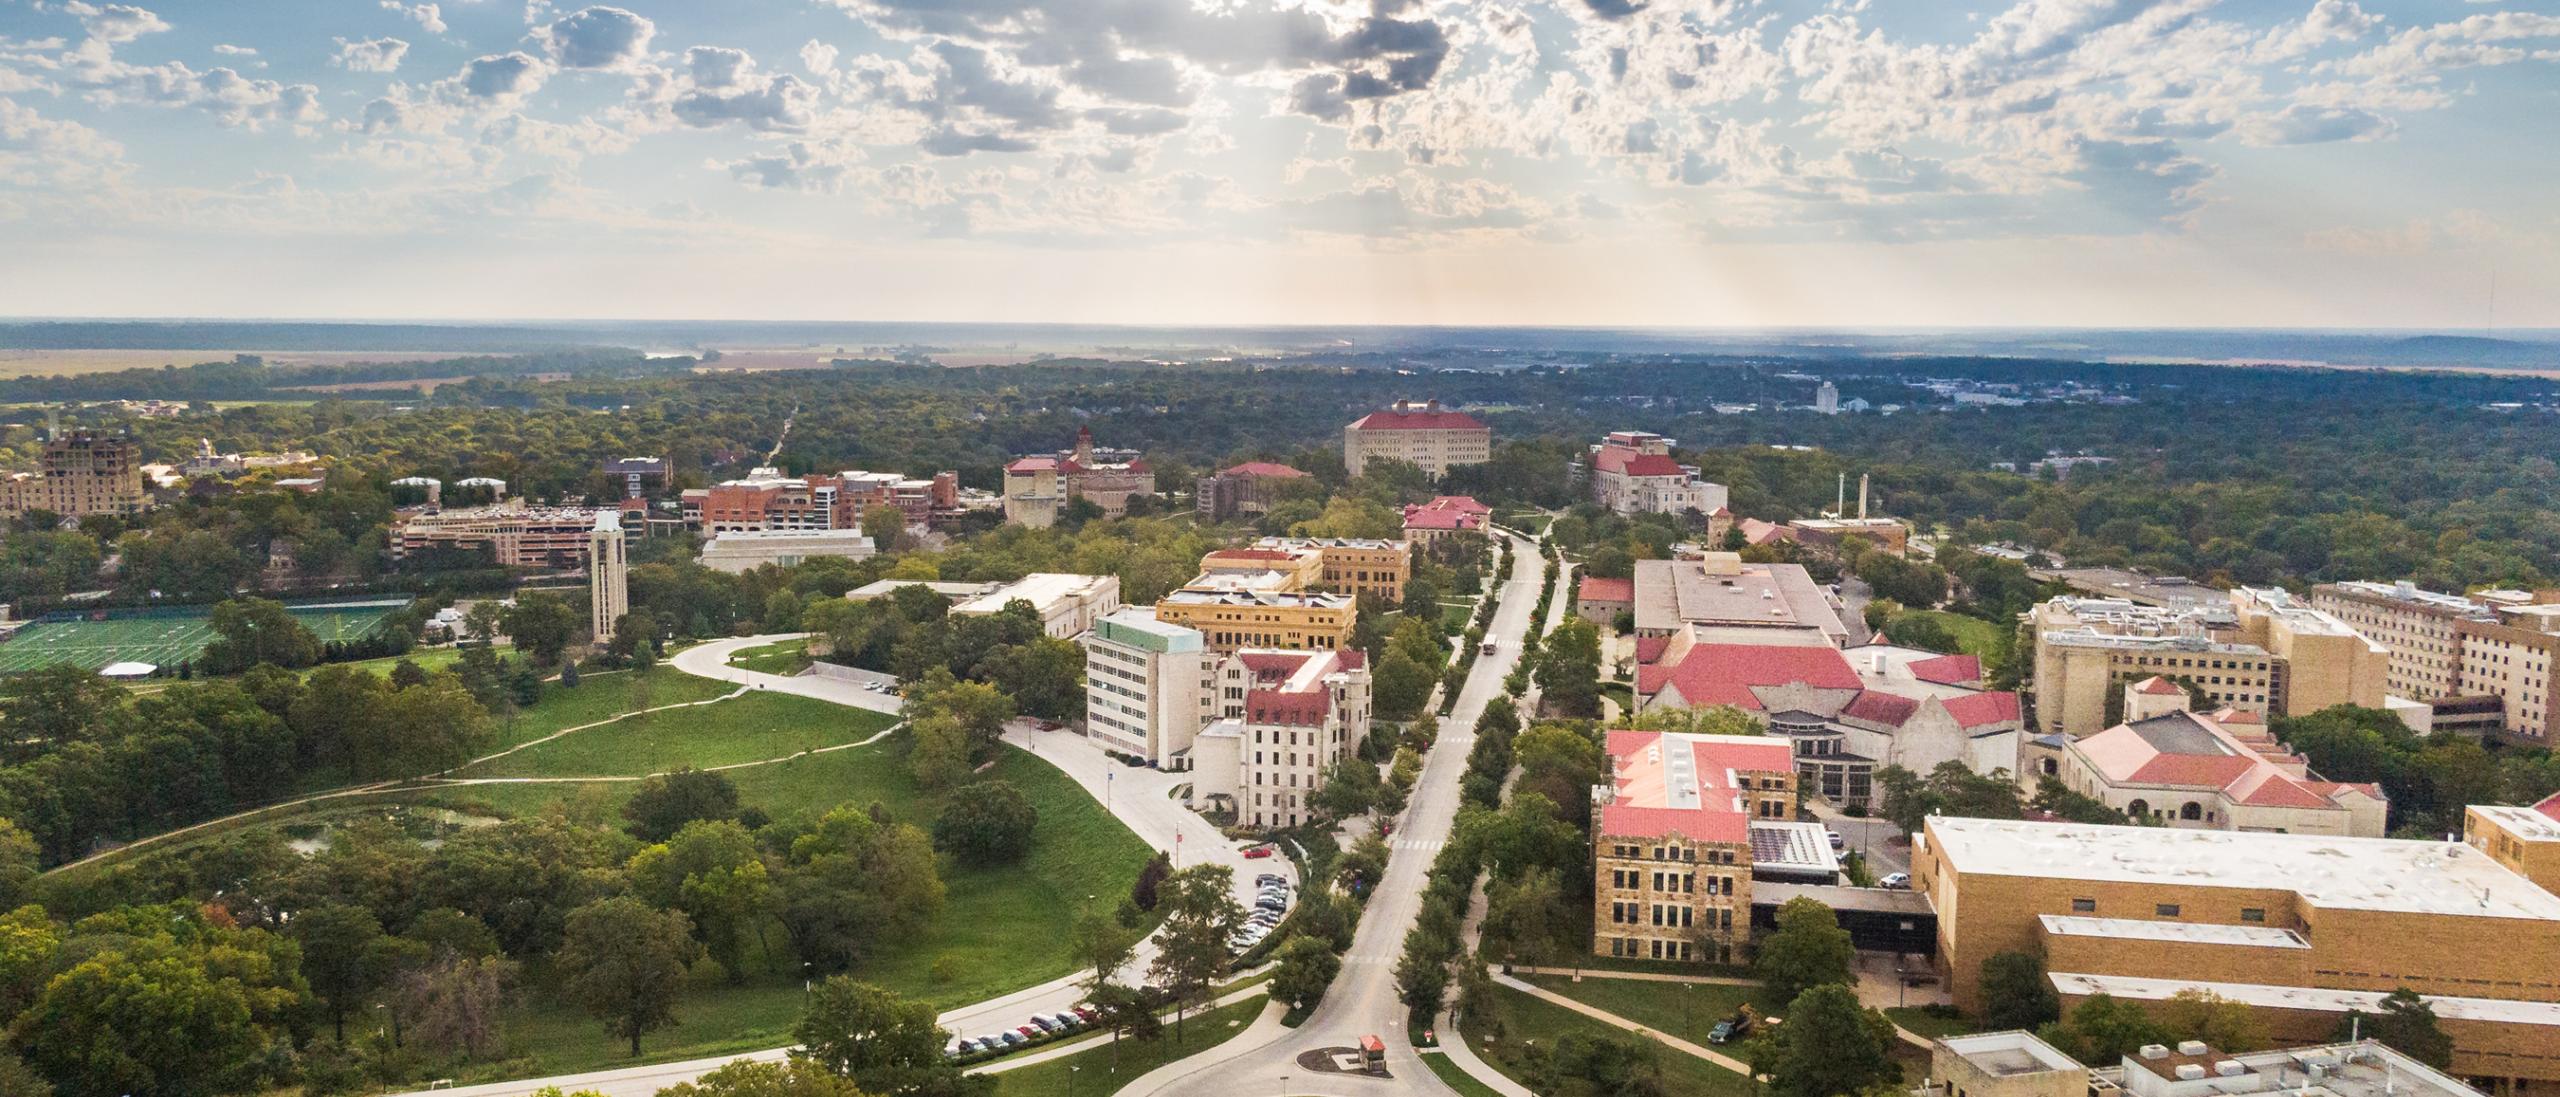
2230 1068
2155 1051
2192 1047
2190 1072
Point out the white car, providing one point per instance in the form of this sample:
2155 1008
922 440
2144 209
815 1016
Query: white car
1900 881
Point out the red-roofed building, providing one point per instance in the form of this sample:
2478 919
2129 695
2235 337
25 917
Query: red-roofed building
1672 841
1950 670
1283 718
1246 489
1421 433
1037 486
1446 516
1600 601
1632 473
1758 678
2186 769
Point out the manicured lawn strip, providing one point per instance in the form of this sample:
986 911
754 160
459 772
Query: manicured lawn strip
1658 1005
1921 1022
1003 928
1974 636
427 659
1457 1077
603 697
780 657
1514 1024
749 728
1093 1072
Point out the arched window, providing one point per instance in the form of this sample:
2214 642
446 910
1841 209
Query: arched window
2192 812
2052 768
2138 808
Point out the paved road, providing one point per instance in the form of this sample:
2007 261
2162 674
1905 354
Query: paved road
1362 1001
1877 838
712 661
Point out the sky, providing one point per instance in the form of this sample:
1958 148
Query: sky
1706 163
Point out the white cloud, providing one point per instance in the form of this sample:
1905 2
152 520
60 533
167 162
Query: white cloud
598 38
115 22
428 17
370 55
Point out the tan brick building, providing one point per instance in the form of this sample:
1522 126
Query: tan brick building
1671 838
2302 928
2513 663
2264 653
1233 619
81 473
1422 433
2422 629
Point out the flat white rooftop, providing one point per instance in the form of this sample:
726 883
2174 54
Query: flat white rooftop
2526 823
1041 589
2004 1054
2265 996
2201 933
2381 874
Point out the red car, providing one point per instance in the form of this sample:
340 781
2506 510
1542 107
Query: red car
1088 1014
1256 853
1030 1032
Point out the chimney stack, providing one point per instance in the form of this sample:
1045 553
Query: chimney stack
1840 506
1862 497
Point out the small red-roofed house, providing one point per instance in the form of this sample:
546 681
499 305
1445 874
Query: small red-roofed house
2186 769
1600 600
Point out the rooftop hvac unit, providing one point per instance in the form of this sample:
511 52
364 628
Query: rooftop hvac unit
2155 1051
2192 1047
2191 1072
2230 1068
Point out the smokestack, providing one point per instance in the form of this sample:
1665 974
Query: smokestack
1840 506
1862 497
52 424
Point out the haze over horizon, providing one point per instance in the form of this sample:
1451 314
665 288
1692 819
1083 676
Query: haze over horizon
1705 164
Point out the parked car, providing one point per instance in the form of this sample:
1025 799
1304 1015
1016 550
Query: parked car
1013 1039
1270 879
1838 843
967 1045
1067 1020
1899 881
1256 853
1088 1014
1722 1033
1044 1024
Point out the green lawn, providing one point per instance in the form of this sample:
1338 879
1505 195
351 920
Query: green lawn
1515 1028
1003 928
603 697
1922 1022
1685 1010
780 657
1457 1077
1974 636
436 658
1095 1072
749 728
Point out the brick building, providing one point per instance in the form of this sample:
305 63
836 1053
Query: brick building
1632 473
1038 486
1671 840
1242 490
80 473
1286 718
1420 433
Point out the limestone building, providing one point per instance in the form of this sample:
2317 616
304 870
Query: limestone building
1418 432
1038 486
2261 652
1149 686
2217 771
1672 836
1243 490
1632 473
1289 716
2421 628
2301 928
80 473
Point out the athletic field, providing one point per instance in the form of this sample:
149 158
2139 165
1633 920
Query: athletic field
166 637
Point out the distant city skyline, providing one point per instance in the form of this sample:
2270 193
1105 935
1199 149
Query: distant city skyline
1672 163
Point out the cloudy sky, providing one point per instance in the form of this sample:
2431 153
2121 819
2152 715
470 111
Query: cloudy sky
1664 162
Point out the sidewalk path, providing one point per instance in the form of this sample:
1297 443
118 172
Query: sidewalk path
711 660
1596 1013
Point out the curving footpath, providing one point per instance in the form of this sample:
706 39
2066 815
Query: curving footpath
1139 798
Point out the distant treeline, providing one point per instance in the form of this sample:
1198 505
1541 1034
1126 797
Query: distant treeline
235 335
247 377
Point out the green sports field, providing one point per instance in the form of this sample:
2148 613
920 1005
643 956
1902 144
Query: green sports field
166 637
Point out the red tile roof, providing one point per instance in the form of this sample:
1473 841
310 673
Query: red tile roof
1266 469
2201 770
1948 670
1598 589
1250 554
1271 706
2157 686
1724 674
1694 824
1034 464
1983 709
2550 806
1649 649
1627 462
1273 665
1875 706
1427 518
1418 420
1716 818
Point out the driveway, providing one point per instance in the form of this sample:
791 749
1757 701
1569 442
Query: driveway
712 661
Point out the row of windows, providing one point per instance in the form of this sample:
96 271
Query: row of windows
2251 915
1674 853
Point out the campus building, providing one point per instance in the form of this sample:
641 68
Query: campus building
1287 718
748 550
1243 618
2086 649
765 500
1716 598
1420 433
513 534
2325 661
1444 517
2301 928
1632 473
2220 771
1243 490
1037 487
1149 686
639 477
2018 1064
80 473
1673 833
1847 715
2422 629
1066 604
